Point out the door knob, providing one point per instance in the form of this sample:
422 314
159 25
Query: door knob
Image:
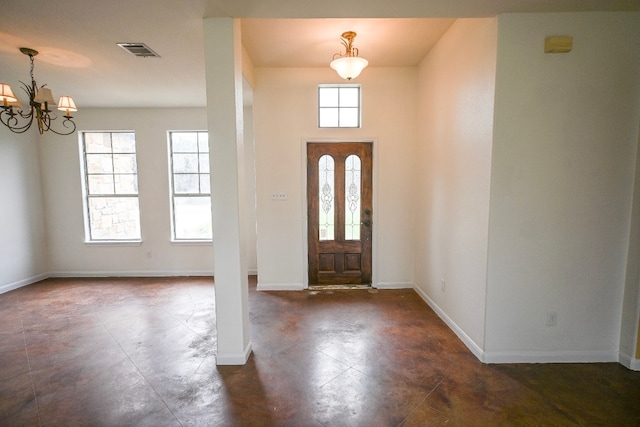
366 223
367 212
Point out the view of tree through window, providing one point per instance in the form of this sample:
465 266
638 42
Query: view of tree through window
190 185
111 186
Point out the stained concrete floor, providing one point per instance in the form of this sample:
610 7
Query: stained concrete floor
141 352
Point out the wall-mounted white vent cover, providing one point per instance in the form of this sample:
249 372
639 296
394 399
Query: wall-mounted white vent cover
139 49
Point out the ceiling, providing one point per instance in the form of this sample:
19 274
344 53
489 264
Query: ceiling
79 57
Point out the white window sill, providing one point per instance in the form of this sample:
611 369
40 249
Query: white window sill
113 242
192 242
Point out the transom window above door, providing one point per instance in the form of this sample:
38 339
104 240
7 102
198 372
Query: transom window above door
339 106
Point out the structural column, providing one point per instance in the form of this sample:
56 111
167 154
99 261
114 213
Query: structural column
223 53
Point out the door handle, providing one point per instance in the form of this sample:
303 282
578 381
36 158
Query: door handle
366 223
367 212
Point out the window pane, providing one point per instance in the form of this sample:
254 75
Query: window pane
205 183
99 163
126 184
204 163
184 163
349 96
100 184
186 183
352 189
110 170
184 142
328 118
328 96
326 183
190 185
123 142
114 218
97 142
349 118
192 216
339 106
124 163
203 142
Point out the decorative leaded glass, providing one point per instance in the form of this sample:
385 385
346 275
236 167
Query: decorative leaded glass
326 170
352 187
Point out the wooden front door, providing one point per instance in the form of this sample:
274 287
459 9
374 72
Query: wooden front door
340 213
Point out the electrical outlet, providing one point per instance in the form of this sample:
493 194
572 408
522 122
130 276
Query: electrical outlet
443 285
279 196
552 318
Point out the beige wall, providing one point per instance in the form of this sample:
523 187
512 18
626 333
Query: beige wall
563 163
285 115
23 245
453 163
69 255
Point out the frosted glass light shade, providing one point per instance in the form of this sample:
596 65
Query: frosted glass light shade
6 94
66 104
44 95
349 67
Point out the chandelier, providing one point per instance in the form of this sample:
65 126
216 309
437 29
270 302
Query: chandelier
348 64
19 119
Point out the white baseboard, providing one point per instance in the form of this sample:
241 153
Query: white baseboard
24 282
279 286
234 358
551 356
471 345
111 273
596 356
629 362
395 285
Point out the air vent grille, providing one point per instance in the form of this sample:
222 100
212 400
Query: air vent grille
139 49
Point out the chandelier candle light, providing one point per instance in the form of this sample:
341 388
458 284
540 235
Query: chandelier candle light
348 64
19 120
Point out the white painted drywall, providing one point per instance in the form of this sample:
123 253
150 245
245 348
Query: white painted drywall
223 53
285 115
631 299
563 167
453 163
23 245
250 191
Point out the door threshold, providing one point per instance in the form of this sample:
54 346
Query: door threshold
337 287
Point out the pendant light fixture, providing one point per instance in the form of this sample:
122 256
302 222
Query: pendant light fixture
19 119
348 65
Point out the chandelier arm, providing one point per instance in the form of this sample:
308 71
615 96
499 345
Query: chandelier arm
11 121
66 123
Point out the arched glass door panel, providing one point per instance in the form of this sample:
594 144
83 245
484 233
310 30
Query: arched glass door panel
326 179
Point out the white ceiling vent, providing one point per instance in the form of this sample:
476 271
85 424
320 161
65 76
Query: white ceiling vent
139 49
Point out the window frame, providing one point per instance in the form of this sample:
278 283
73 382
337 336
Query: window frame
86 190
172 193
340 107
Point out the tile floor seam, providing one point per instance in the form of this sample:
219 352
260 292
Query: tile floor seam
33 385
184 323
420 403
140 372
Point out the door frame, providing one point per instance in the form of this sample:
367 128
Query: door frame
303 205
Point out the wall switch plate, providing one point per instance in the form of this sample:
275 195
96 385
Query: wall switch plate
279 196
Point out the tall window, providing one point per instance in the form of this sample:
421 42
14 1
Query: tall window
339 106
111 186
190 186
